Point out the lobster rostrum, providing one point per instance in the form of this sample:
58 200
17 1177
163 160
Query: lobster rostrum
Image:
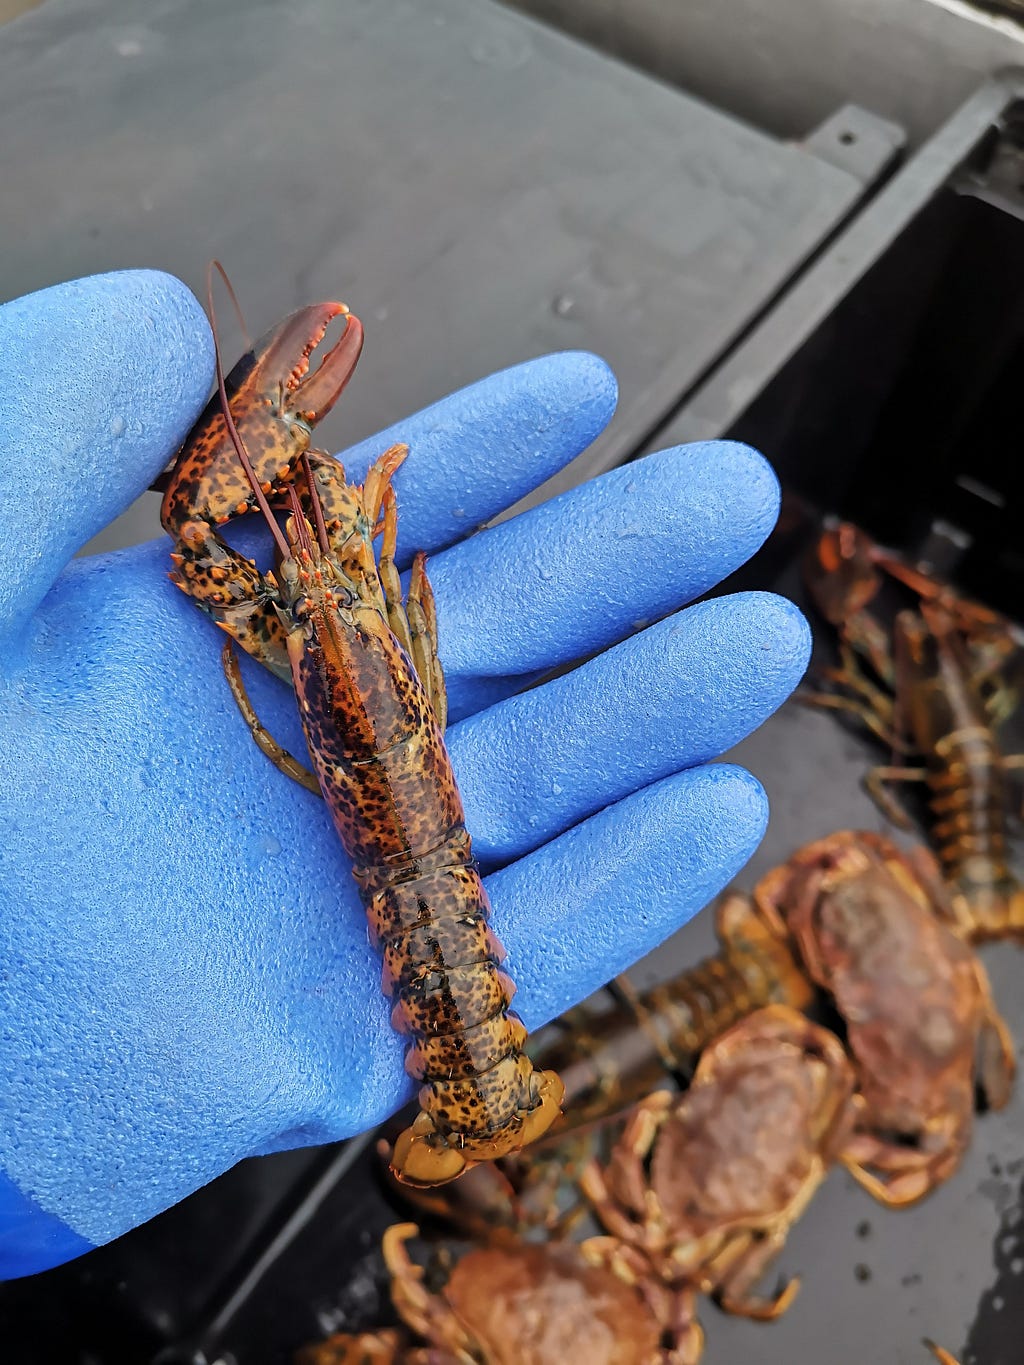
370 689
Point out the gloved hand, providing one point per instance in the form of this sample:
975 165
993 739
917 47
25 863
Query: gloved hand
186 974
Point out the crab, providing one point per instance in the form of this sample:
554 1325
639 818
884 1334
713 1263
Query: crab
703 1187
876 931
522 1304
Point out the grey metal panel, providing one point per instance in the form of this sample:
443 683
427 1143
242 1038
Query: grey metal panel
479 188
784 64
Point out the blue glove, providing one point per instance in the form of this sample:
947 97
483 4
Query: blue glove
186 974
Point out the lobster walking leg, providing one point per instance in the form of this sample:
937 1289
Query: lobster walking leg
875 780
753 1256
265 741
422 615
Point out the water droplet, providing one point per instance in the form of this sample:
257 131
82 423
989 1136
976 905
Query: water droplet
117 426
458 511
556 790
562 305
270 844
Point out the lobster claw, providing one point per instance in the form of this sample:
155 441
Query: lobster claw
280 361
840 572
275 403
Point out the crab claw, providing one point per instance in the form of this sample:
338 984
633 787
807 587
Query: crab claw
280 360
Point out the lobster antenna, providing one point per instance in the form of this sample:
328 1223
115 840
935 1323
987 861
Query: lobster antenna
216 265
236 440
318 511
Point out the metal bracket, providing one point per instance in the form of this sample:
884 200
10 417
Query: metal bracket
858 142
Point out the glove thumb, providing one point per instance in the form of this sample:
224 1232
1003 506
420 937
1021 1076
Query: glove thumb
100 380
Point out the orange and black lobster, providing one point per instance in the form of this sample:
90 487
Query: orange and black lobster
364 665
934 693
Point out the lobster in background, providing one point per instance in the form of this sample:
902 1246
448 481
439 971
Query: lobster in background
934 694
365 669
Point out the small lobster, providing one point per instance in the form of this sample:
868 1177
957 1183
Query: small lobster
937 695
875 930
365 669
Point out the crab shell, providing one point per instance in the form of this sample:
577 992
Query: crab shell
523 1304
741 1150
873 926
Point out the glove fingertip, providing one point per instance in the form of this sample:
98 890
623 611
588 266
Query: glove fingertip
576 382
609 891
100 380
736 490
742 802
776 627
